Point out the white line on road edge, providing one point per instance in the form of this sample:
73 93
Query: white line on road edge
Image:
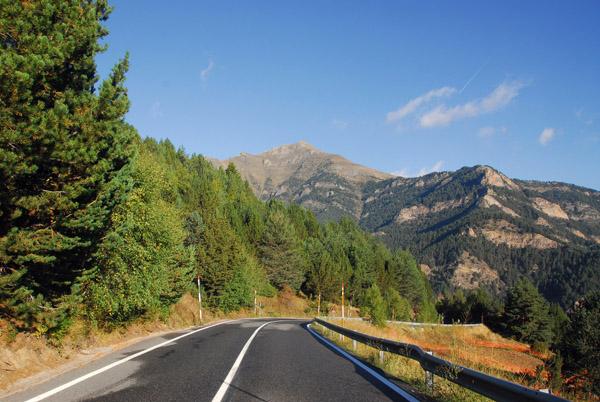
229 379
110 366
354 360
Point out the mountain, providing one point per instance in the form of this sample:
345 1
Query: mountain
471 228
329 185
476 227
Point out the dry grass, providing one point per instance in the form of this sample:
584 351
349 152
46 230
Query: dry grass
287 304
27 359
474 347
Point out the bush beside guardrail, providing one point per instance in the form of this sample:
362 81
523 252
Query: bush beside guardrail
484 384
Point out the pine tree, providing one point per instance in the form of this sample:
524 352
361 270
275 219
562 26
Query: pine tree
64 150
322 274
397 306
559 322
526 314
279 254
374 305
581 343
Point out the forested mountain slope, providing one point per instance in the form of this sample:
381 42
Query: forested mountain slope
101 227
471 228
475 227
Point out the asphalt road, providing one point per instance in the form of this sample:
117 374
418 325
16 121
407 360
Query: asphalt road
282 361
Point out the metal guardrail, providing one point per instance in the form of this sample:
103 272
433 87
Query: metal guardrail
410 323
484 384
345 318
429 324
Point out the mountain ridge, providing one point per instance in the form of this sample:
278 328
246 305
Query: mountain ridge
469 228
308 176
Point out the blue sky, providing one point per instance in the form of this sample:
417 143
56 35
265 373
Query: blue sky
405 87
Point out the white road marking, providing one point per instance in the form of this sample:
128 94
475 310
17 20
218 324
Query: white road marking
354 360
236 365
115 364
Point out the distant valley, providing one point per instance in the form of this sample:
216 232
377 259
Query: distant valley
470 228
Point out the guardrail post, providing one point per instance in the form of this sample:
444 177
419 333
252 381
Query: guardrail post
354 344
429 378
381 355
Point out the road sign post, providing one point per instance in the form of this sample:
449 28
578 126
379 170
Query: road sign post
319 306
199 299
342 305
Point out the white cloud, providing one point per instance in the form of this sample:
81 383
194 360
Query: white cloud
412 105
405 172
204 73
546 136
436 168
489 131
402 173
156 110
339 124
499 98
584 117
486 131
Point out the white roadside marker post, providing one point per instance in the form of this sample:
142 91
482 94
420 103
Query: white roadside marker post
342 305
199 299
342 336
319 307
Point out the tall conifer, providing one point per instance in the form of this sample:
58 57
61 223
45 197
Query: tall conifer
63 148
526 314
279 253
581 343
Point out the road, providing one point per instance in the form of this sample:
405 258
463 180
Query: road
239 360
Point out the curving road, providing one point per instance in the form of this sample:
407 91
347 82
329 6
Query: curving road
239 360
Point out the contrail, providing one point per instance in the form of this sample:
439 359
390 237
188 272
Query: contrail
476 72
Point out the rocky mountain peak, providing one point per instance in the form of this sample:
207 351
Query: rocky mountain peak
270 172
296 149
492 177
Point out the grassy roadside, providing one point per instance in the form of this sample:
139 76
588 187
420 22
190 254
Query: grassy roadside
27 359
474 347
